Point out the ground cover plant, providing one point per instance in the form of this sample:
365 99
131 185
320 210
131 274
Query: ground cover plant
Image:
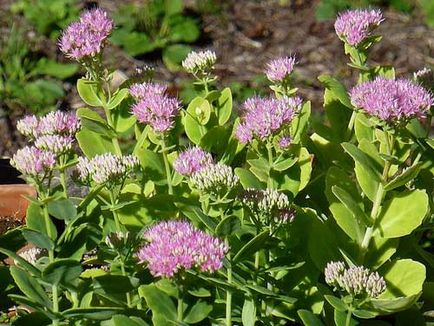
257 215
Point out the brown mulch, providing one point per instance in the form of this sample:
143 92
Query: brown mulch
247 33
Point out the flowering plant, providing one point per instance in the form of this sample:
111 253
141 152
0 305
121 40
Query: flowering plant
214 216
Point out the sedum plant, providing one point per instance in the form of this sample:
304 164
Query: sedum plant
216 216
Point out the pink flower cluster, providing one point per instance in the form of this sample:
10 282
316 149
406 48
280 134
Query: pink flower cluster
174 246
55 143
53 135
354 26
192 160
154 106
106 167
264 117
54 123
86 37
392 100
278 70
32 161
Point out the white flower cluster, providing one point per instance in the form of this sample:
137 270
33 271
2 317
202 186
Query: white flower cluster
199 61
215 179
106 167
356 281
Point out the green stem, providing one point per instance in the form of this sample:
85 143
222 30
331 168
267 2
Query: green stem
229 293
350 125
377 202
128 295
348 319
115 214
167 166
63 182
180 307
54 288
115 140
270 163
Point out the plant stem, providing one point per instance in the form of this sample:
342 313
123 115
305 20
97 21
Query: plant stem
128 295
115 140
115 214
229 292
377 202
167 166
55 303
63 182
270 163
350 126
54 288
180 307
348 319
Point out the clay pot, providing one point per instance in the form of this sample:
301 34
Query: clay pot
13 205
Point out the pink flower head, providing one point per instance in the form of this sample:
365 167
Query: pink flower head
33 161
28 126
86 37
392 100
353 26
55 143
155 107
59 123
284 142
278 70
263 117
174 246
192 160
140 91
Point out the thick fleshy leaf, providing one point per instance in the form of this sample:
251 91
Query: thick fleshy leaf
62 271
402 214
29 286
159 302
224 106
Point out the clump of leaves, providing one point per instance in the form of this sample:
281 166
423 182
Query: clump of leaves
26 80
47 16
158 24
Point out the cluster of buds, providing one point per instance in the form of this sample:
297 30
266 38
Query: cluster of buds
154 107
265 117
216 179
357 281
86 38
174 246
106 168
392 101
192 160
268 204
53 136
199 63
33 254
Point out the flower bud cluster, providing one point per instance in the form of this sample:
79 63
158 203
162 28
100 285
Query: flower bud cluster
268 203
199 62
357 281
106 167
33 254
215 179
53 135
